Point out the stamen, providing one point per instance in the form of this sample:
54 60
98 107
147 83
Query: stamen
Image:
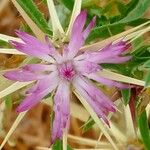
66 70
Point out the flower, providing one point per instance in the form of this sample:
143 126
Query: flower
65 69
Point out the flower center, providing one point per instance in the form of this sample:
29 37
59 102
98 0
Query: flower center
66 70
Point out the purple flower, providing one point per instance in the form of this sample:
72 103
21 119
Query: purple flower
65 69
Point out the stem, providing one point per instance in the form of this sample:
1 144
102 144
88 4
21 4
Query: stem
14 87
10 51
101 44
96 119
121 78
13 128
75 13
6 38
36 30
57 28
88 142
65 139
129 123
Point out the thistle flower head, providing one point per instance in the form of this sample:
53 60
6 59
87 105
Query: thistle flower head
66 70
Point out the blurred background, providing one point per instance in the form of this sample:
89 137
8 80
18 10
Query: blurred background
34 129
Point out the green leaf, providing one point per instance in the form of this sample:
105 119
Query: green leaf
144 130
105 31
137 43
31 9
137 11
69 4
121 7
126 93
147 80
129 7
88 125
129 68
30 60
138 22
134 67
64 15
58 145
146 64
89 3
141 51
85 3
69 148
8 101
3 44
96 11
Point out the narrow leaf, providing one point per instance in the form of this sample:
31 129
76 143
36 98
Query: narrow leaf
129 33
96 119
88 125
68 4
57 28
8 101
147 79
75 13
146 64
11 51
144 130
31 9
14 87
105 31
137 12
6 38
126 93
34 27
122 78
59 146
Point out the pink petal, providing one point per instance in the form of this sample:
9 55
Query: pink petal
39 92
53 52
39 67
32 100
44 83
109 52
106 81
32 41
98 56
62 111
74 45
36 45
77 39
27 38
100 96
98 108
121 45
99 102
79 24
57 131
116 60
22 75
31 50
89 28
84 66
